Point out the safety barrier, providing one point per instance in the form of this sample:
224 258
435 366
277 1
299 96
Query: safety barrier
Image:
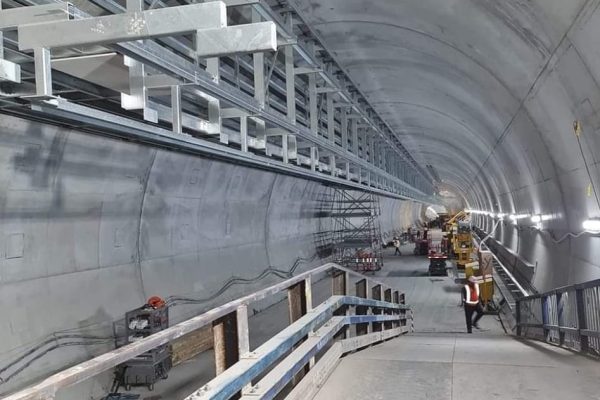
567 317
375 313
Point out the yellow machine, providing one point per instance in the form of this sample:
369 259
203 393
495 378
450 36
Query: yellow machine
451 223
463 244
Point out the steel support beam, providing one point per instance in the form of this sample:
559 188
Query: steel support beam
125 27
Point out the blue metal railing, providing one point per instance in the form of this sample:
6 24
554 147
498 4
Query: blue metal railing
568 317
377 311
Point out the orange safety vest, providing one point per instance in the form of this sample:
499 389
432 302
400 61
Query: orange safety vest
469 296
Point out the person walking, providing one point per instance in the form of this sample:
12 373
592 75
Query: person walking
397 246
472 304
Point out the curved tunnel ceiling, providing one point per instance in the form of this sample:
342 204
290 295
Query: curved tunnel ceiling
485 91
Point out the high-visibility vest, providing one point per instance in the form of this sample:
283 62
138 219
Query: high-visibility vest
468 295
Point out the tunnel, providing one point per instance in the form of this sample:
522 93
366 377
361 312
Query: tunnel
198 150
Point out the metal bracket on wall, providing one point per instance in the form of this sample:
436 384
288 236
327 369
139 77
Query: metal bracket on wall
171 67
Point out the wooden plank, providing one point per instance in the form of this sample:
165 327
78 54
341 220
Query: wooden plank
79 373
192 344
225 342
297 307
377 294
362 288
338 283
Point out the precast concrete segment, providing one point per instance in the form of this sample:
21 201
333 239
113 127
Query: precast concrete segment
92 226
503 82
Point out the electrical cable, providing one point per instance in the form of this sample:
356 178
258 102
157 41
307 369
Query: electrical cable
565 236
587 168
235 280
29 356
46 342
45 352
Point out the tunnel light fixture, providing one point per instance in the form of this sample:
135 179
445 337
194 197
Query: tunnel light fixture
501 215
516 217
539 218
592 225
476 212
536 219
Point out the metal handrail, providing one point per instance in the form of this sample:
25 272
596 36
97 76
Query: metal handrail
251 365
568 316
506 271
386 305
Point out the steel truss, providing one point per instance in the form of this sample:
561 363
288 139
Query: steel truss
356 230
243 80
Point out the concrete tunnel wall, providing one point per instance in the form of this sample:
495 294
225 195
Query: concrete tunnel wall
93 226
487 92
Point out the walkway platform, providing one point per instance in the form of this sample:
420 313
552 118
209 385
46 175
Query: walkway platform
441 361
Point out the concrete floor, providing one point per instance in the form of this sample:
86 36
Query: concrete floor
441 361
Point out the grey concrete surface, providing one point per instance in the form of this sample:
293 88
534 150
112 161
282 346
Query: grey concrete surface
450 366
440 361
487 92
92 227
435 300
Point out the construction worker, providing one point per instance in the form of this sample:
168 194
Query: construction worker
397 246
472 304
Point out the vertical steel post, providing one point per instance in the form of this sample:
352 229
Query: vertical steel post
581 318
290 84
312 104
285 149
560 318
309 305
332 165
176 108
243 335
354 125
244 133
518 316
1 39
43 72
214 104
344 126
259 70
545 316
330 118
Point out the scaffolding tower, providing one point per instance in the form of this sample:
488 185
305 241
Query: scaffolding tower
356 230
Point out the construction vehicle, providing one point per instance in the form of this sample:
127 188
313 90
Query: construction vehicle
437 254
458 217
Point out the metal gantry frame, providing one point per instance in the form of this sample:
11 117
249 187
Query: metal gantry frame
356 230
242 80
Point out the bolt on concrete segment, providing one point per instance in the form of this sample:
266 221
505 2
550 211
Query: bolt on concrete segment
440 361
